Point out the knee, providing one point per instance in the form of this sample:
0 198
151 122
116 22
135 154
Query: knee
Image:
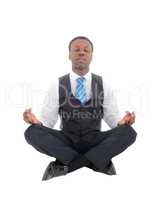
29 132
129 133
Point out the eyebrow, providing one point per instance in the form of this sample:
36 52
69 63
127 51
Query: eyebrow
79 46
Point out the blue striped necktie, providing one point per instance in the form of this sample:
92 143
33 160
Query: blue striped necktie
80 92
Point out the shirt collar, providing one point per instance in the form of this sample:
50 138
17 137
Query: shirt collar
74 76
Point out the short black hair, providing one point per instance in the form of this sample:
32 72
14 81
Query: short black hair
80 37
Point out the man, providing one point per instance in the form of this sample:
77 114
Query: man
81 99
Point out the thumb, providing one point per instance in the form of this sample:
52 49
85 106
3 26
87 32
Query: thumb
30 109
128 113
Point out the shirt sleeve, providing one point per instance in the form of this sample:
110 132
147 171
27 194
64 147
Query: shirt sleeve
49 111
111 112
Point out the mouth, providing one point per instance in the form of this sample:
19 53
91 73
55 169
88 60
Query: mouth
80 65
81 59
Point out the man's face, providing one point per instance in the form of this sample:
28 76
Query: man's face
80 53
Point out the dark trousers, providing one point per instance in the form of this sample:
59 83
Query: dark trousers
99 151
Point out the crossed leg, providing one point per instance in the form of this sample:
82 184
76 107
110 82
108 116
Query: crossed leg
105 146
110 144
50 142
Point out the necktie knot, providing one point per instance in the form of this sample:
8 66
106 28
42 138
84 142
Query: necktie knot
80 80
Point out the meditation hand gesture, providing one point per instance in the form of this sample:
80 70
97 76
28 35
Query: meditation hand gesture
129 118
29 117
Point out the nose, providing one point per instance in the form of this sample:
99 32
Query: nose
81 54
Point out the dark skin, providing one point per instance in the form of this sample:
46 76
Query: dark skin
80 55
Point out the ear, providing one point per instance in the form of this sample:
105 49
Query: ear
91 57
69 56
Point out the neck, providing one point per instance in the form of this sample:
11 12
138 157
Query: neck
80 71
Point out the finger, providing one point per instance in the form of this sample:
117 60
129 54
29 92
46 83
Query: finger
28 116
126 117
30 109
129 118
132 120
128 122
128 113
24 114
133 115
26 119
27 111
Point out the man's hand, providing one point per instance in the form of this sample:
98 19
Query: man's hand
29 117
129 118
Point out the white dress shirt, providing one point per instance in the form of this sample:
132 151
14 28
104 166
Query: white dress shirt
49 113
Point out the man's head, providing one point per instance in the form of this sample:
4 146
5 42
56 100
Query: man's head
80 54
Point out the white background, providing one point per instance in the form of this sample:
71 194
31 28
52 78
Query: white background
34 37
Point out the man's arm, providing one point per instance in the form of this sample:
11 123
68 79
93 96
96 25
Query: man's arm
49 112
111 112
